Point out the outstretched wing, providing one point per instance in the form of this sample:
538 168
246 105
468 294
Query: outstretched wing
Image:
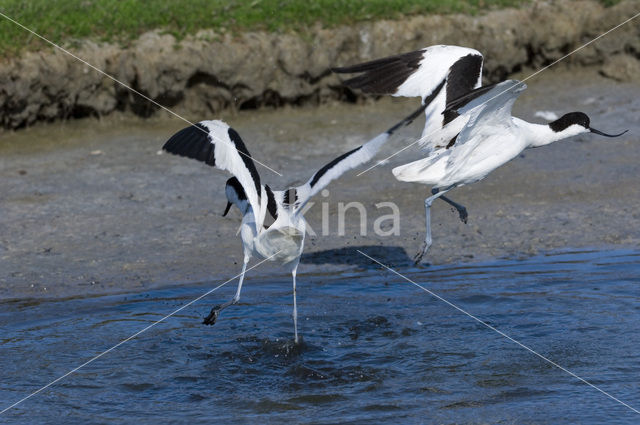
337 167
437 74
453 122
489 107
218 145
483 95
383 76
343 163
418 73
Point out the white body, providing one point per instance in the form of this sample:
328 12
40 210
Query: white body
443 168
482 146
283 244
489 137
283 241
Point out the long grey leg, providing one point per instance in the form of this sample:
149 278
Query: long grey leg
295 306
462 211
427 207
215 311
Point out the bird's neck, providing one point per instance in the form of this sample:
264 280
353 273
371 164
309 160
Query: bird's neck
536 135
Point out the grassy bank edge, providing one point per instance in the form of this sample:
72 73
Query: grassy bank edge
120 21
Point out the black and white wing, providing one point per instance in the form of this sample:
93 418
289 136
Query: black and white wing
492 103
217 144
484 111
386 75
418 73
482 95
335 169
436 74
345 162
454 122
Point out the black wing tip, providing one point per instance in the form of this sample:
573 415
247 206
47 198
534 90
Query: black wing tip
359 67
318 175
384 75
408 58
362 82
341 70
192 142
175 144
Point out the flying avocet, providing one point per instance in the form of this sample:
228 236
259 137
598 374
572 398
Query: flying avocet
465 139
438 75
490 137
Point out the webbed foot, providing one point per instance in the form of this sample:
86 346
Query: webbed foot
463 215
212 317
418 257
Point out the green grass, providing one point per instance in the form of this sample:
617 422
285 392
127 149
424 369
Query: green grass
65 21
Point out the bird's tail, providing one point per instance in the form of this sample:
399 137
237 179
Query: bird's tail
426 170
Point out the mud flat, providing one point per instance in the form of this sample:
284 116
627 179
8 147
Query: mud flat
90 206
211 72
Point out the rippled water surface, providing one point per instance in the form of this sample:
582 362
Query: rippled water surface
376 349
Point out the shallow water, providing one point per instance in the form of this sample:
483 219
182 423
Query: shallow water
376 349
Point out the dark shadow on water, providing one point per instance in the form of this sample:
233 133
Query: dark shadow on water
350 256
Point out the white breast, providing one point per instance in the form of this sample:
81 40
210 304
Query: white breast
283 244
488 155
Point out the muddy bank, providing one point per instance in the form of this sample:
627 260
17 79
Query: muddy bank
211 72
89 206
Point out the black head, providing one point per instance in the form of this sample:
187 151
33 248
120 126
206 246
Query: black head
234 184
577 118
569 119
234 192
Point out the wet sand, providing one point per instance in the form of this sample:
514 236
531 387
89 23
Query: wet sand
91 207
